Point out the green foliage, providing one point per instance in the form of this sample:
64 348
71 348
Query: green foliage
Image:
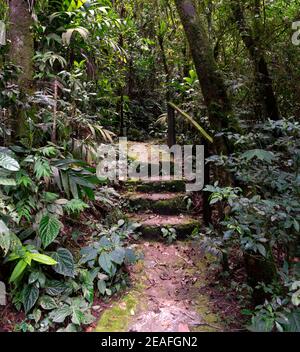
260 154
169 234
30 296
107 255
65 262
265 219
49 228
8 162
76 308
25 255
75 206
4 237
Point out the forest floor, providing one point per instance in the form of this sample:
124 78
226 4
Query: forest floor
165 295
173 289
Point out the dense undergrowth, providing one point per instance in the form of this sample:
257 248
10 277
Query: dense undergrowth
94 70
55 272
261 219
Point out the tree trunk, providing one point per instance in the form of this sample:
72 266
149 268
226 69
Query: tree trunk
21 49
170 110
263 81
21 54
212 84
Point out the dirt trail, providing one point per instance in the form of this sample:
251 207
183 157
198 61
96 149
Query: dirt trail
172 301
166 293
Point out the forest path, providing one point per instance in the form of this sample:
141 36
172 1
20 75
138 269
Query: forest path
166 283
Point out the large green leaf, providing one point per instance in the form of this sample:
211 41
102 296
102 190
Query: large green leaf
66 37
42 258
77 316
65 262
30 296
7 181
8 163
261 324
65 183
49 228
118 255
4 237
105 262
101 286
260 154
87 286
293 322
47 302
55 287
88 254
18 270
59 315
130 257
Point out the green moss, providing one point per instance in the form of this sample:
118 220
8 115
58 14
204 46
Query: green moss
182 230
202 302
117 318
202 305
175 205
155 186
170 206
166 186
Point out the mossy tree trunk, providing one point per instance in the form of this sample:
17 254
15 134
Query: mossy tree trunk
21 54
263 80
212 83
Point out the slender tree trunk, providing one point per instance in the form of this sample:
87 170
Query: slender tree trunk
170 110
21 49
205 195
21 54
54 125
263 80
121 88
212 84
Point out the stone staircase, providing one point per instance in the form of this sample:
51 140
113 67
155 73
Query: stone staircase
157 202
160 203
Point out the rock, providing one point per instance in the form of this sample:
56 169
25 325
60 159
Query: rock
2 294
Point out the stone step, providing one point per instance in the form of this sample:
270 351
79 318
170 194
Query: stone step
163 168
152 225
156 184
159 203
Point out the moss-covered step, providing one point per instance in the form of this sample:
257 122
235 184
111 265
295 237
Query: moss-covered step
152 225
160 203
156 184
162 168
